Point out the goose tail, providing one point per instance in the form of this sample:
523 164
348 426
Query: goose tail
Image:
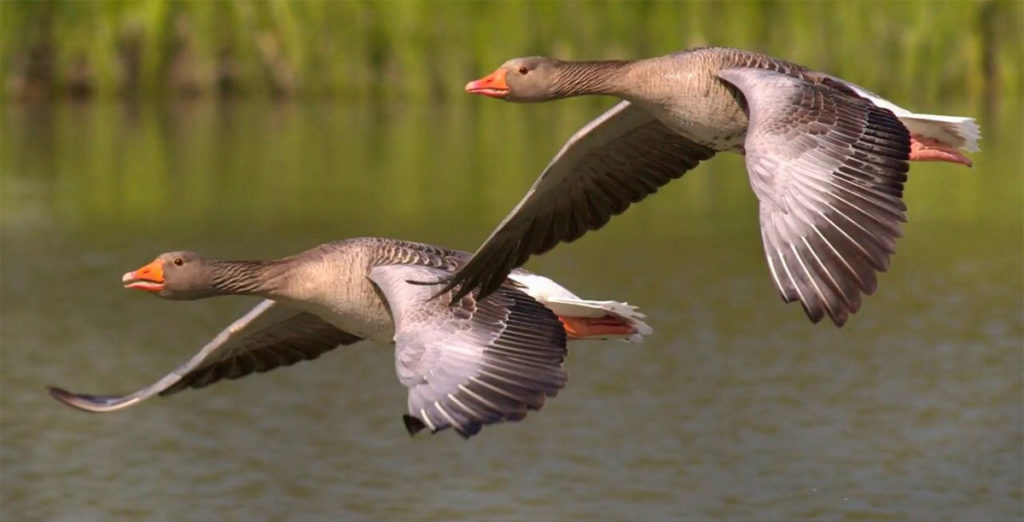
585 318
934 137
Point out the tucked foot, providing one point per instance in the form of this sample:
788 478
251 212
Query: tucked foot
928 149
590 327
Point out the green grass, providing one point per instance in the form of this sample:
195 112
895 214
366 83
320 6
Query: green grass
922 49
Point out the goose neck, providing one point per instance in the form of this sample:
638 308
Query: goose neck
260 278
609 77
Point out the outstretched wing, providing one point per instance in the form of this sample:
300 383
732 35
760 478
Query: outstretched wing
828 169
268 336
615 160
477 362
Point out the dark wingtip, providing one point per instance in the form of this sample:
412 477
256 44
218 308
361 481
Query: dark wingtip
90 403
60 394
449 284
412 424
67 398
461 293
466 432
446 282
483 289
840 318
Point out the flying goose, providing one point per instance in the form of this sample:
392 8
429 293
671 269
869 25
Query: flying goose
477 362
827 160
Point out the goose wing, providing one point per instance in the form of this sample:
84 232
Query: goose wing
476 362
960 132
268 336
828 169
615 160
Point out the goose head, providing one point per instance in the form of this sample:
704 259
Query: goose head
529 79
174 275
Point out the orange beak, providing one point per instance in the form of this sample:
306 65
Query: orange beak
493 85
149 278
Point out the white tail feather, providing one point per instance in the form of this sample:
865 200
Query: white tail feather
586 308
959 131
567 304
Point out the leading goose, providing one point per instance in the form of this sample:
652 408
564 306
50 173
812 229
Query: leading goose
826 158
477 362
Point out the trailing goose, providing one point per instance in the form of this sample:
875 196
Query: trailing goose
474 363
827 160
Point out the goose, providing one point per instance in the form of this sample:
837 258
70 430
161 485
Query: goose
827 160
476 362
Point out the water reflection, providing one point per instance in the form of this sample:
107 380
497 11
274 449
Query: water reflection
737 406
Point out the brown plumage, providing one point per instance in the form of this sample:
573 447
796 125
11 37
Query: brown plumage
481 361
827 160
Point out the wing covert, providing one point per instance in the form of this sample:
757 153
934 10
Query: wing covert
615 160
828 169
475 363
268 336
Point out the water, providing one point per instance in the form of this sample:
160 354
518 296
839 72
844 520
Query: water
736 409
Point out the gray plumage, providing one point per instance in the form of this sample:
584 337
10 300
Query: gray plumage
826 158
828 171
482 361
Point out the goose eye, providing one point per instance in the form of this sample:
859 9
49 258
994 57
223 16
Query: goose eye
178 261
523 69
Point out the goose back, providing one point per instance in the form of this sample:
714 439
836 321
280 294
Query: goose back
332 281
684 92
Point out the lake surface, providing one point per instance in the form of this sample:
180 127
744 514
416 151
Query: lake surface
737 408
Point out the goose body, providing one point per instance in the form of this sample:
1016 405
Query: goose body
827 160
473 363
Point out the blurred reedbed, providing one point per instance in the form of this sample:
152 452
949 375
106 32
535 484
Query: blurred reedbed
193 48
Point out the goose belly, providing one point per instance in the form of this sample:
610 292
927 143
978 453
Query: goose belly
349 303
372 323
720 126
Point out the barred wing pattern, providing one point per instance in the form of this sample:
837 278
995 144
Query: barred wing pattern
269 336
477 362
828 170
615 160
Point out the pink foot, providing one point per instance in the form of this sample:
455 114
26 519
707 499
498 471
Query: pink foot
928 149
584 327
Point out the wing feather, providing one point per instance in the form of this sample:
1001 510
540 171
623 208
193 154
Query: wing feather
477 362
268 336
828 168
616 160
